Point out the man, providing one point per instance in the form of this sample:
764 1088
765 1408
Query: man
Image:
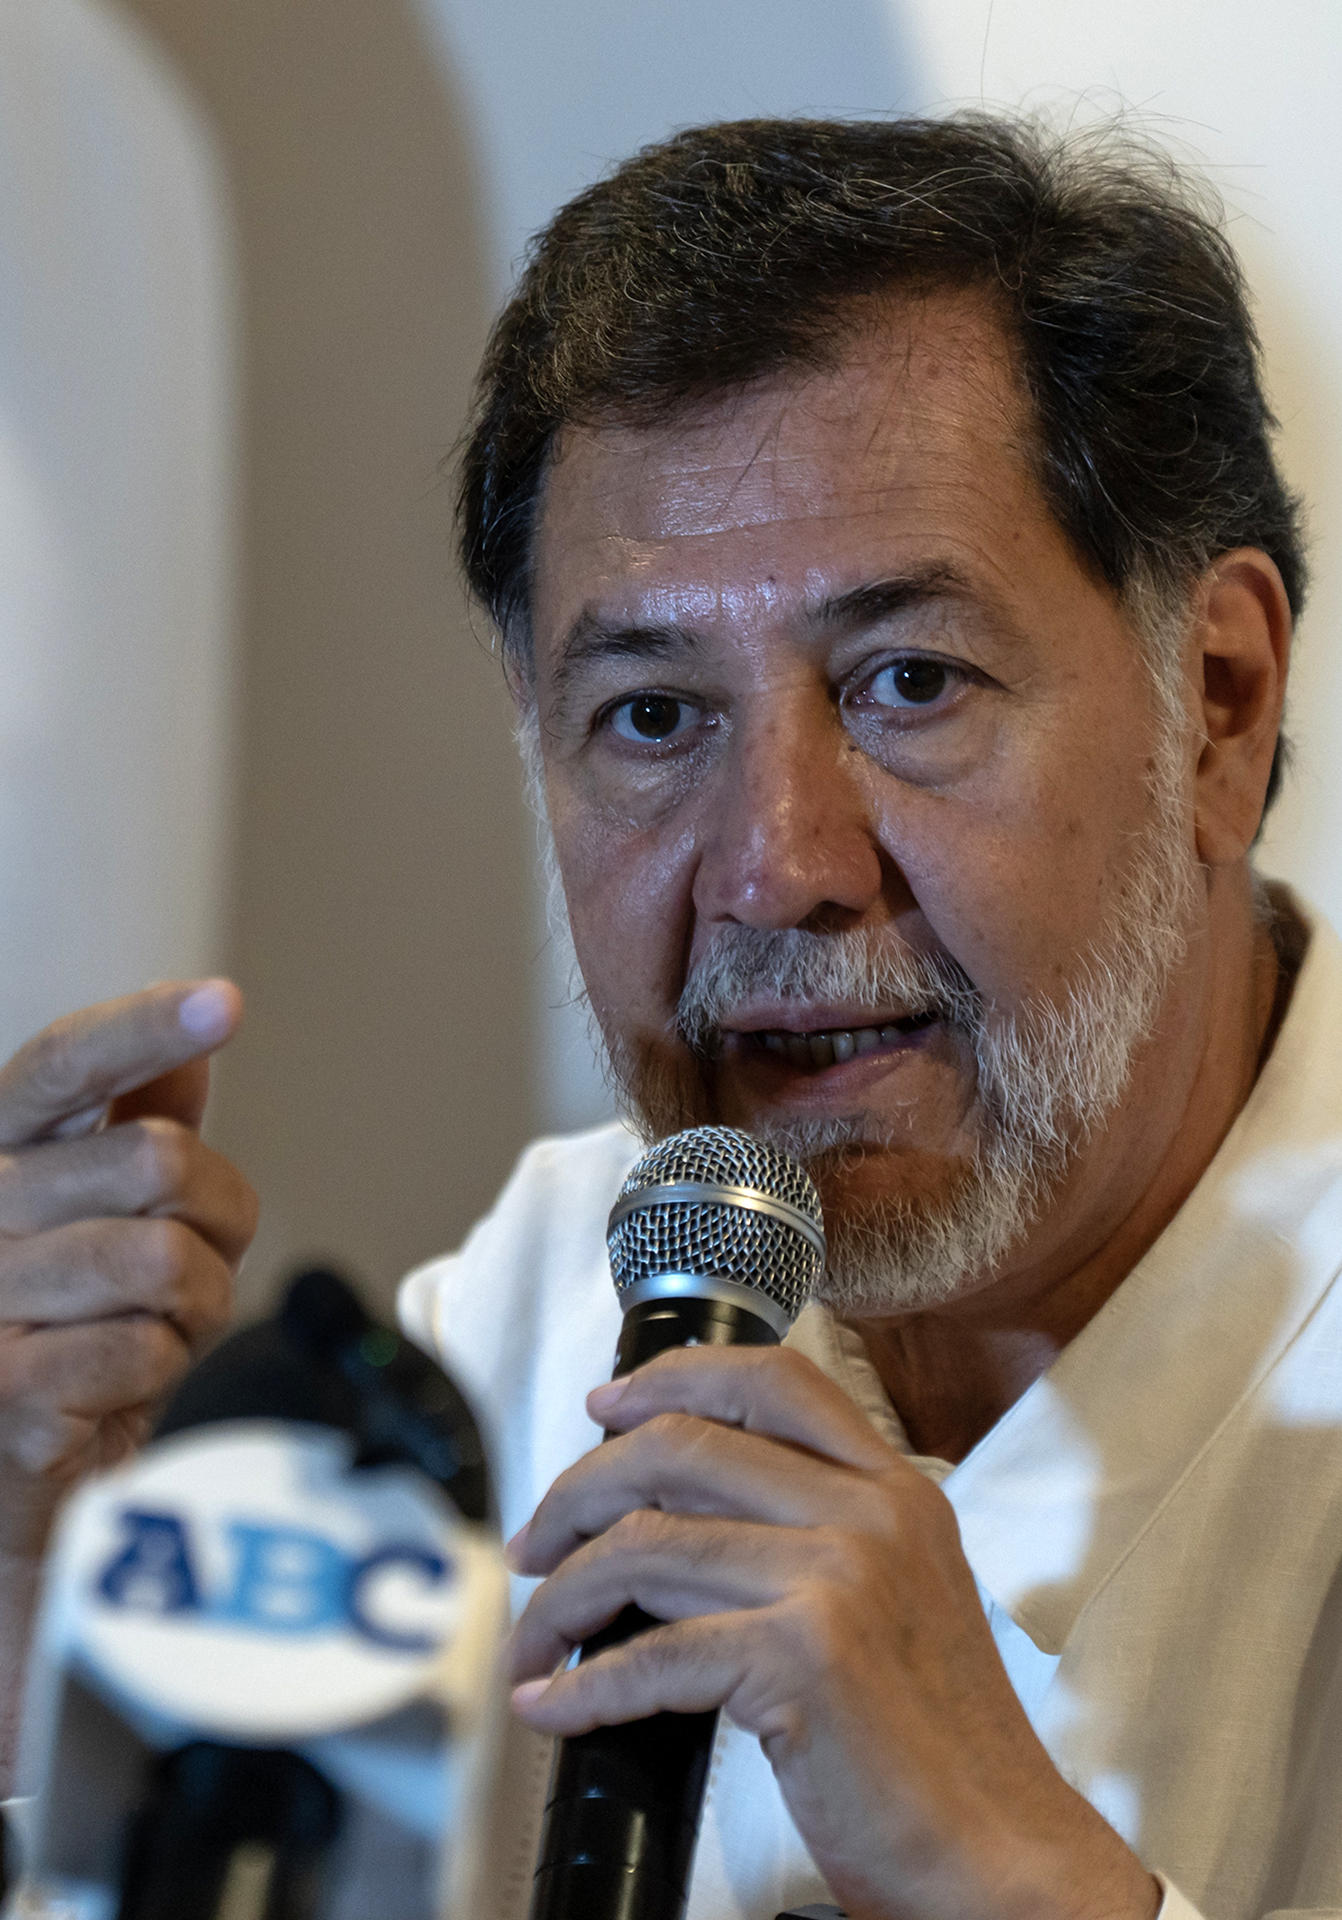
896 586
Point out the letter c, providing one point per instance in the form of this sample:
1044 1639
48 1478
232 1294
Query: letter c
431 1565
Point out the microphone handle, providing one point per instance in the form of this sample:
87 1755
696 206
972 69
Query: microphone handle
230 1831
623 1812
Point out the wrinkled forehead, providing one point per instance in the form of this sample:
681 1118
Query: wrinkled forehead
921 419
905 377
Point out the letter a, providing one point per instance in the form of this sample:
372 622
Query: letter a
152 1572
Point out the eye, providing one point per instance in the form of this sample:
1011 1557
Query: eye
654 717
914 681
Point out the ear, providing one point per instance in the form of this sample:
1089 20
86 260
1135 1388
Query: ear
1244 631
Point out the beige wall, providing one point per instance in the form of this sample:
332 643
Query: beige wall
116 572
379 917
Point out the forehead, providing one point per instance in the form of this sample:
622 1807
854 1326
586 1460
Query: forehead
917 439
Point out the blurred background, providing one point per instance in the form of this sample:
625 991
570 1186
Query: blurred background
248 256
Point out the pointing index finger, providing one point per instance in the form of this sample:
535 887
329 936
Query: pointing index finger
79 1064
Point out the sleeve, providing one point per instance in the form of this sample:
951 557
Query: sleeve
1175 1907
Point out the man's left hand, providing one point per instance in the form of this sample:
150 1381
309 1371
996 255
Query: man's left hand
813 1585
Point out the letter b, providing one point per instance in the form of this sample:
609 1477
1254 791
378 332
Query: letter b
285 1580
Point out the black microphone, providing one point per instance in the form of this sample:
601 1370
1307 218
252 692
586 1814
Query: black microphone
715 1240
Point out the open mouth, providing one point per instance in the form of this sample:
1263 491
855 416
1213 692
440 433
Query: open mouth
812 1052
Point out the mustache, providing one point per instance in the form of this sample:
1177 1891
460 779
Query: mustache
864 968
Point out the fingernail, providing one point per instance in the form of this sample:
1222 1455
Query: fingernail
207 1011
528 1693
513 1551
602 1399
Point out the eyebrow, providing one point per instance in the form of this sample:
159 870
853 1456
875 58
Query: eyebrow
591 639
879 600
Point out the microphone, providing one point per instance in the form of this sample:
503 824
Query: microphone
715 1239
264 1658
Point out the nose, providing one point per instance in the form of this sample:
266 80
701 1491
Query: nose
790 835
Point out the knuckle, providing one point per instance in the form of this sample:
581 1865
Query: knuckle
563 1489
212 1302
165 1356
50 1065
641 1531
239 1213
156 1356
848 1558
675 1433
163 1153
863 1567
790 1364
917 1505
886 1515
656 1652
173 1247
165 1250
819 1631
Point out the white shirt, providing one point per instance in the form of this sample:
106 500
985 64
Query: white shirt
1156 1525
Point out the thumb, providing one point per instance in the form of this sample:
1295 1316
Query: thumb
179 1094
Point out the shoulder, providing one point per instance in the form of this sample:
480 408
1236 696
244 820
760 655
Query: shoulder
549 1217
524 1315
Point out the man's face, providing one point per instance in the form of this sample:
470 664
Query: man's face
820 659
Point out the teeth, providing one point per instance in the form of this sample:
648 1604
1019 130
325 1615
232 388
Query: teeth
815 1051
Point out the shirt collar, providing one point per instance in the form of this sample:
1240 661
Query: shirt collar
1055 1496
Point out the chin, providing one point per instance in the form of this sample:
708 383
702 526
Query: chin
908 1229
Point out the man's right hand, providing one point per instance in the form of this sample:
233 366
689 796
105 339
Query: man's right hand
120 1233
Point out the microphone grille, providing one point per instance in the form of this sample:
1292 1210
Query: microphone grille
718 1202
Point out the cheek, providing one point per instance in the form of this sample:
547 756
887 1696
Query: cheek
629 894
1015 885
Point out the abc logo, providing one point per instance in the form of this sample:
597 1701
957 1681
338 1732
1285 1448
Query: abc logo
280 1579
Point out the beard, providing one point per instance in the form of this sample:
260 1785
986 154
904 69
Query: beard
1048 1075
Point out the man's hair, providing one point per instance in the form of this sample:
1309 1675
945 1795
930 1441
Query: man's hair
734 252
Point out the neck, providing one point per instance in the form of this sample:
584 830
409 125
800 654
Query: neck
953 1371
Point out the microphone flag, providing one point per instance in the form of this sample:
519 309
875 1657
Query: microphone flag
265 1662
